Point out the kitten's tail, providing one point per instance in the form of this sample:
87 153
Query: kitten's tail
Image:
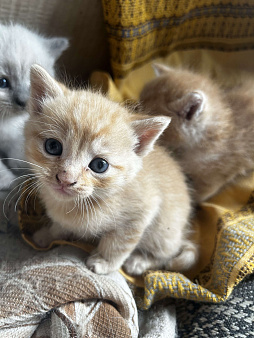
186 259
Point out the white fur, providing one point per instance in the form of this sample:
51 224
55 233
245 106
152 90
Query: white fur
20 48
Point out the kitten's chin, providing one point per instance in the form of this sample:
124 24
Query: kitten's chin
62 193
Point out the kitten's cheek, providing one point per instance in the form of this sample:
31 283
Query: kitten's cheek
99 265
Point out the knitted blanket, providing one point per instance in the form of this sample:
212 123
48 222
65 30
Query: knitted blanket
52 294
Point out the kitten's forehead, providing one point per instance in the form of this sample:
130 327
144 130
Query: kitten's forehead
87 117
20 48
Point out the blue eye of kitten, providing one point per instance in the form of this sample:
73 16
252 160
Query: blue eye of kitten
4 83
53 147
98 165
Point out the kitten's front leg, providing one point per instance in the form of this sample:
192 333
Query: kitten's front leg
46 235
112 251
6 176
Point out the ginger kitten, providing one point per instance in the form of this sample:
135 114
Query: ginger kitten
102 177
211 132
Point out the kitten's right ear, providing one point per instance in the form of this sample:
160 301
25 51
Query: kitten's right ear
148 130
189 106
160 69
43 86
56 46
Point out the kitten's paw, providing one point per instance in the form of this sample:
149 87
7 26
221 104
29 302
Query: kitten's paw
186 259
136 264
42 238
99 265
6 179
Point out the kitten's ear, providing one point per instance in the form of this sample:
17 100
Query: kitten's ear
160 69
56 46
148 131
190 105
42 86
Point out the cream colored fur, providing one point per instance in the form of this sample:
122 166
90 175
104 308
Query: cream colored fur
211 132
138 209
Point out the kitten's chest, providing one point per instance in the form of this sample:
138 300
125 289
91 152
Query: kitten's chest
11 128
85 219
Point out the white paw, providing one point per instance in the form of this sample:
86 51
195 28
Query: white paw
98 264
136 264
6 179
42 237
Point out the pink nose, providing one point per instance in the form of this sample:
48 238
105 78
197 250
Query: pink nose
65 179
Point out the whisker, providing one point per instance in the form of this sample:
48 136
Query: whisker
77 205
97 202
23 192
84 204
89 202
23 161
36 193
14 168
22 176
96 219
107 207
33 186
18 186
72 208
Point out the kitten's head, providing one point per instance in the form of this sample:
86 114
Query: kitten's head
20 48
192 101
81 143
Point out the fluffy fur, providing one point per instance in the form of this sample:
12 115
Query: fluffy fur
211 133
19 48
138 209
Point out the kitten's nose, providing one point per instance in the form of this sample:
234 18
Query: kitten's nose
20 102
65 179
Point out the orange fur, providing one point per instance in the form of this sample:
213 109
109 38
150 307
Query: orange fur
138 208
214 143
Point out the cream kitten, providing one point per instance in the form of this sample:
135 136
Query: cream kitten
101 176
20 48
211 132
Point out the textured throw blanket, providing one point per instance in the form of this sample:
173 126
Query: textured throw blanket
55 296
52 294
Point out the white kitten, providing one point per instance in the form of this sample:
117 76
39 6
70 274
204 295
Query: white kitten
20 48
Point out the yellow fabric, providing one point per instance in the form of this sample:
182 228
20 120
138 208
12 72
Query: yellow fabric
140 30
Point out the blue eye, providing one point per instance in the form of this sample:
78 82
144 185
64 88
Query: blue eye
98 165
53 147
4 83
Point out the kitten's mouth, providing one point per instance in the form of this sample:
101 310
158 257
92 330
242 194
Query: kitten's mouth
64 191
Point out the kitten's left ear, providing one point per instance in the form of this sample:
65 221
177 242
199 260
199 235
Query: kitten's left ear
148 131
190 105
56 46
43 86
160 69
